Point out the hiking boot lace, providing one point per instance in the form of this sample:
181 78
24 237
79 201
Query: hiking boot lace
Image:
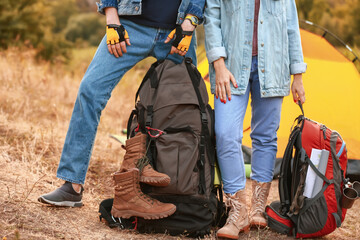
234 213
259 195
146 197
142 162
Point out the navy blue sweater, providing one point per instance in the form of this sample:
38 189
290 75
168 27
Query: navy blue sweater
157 13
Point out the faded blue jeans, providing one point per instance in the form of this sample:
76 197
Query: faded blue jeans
265 120
102 75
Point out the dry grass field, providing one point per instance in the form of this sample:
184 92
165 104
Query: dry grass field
36 101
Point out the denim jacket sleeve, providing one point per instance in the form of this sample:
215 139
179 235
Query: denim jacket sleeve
196 7
213 38
104 4
297 64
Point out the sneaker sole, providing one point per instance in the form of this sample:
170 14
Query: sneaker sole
131 213
61 204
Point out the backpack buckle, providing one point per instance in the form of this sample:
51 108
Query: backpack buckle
204 117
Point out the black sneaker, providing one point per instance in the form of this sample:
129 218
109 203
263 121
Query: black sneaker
63 196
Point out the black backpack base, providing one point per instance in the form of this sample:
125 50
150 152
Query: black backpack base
198 228
182 222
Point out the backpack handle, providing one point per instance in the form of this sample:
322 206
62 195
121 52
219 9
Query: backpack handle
301 107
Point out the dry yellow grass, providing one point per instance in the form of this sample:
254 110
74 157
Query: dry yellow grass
36 101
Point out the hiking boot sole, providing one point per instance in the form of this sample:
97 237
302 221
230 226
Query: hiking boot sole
228 236
60 204
259 225
157 182
131 213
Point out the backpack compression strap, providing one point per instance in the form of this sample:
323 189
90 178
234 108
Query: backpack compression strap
205 134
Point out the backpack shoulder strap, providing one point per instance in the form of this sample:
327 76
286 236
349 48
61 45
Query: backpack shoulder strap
151 74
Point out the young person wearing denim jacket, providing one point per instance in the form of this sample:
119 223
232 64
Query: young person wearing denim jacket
253 47
136 29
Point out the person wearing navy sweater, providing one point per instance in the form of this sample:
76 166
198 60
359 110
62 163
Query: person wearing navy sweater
135 30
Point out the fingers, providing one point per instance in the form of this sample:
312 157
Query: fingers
221 91
182 48
233 80
167 40
301 96
119 48
110 50
177 51
173 50
123 47
126 35
182 53
115 49
216 91
228 91
297 98
298 94
170 36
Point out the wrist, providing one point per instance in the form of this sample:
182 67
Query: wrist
219 63
192 19
298 77
112 16
187 26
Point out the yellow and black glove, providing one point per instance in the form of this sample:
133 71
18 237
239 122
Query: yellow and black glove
182 39
115 34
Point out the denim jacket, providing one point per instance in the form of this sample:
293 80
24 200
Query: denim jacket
133 7
229 32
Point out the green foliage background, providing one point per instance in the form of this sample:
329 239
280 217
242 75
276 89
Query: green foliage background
54 27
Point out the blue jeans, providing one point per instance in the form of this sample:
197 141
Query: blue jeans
265 121
103 74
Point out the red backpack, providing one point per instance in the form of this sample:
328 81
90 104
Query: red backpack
303 215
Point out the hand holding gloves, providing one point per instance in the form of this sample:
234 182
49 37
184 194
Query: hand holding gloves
182 35
116 37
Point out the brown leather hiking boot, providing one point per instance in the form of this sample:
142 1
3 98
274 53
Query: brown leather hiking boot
237 220
130 201
258 202
135 158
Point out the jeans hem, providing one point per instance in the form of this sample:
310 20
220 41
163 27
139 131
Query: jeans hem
261 181
70 180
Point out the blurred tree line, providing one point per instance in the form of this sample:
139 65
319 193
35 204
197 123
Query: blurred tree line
53 27
341 17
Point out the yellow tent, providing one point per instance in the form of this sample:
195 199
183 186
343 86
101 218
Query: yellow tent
332 86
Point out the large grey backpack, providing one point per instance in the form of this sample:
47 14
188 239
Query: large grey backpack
172 108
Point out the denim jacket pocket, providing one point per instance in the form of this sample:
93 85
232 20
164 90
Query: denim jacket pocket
129 7
275 7
231 6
